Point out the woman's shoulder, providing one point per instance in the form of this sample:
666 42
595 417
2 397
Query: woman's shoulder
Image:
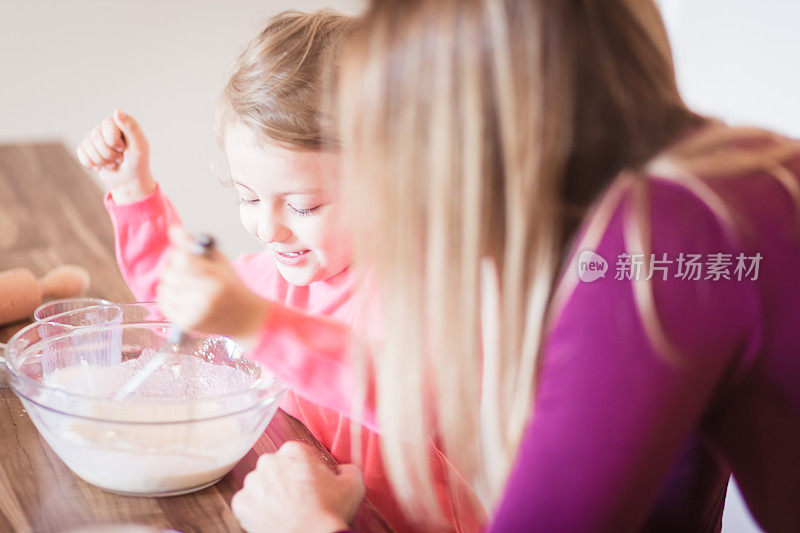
734 173
711 231
740 193
661 257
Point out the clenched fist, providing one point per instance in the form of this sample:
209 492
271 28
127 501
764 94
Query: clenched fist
118 151
291 491
205 293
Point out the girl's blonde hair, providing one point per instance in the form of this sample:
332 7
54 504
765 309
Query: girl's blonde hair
478 134
279 82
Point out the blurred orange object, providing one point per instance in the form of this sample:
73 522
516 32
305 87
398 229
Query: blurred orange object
21 292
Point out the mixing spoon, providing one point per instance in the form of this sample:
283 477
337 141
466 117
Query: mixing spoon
202 245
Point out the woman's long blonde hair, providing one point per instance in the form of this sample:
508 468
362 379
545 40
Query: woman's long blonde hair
478 134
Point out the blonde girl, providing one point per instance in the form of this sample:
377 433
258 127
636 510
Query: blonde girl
284 165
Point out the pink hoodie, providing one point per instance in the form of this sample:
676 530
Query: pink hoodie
304 342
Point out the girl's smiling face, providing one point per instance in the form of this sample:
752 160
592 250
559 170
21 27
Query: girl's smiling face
288 201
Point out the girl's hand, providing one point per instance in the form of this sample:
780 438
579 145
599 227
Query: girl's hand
118 151
205 293
292 491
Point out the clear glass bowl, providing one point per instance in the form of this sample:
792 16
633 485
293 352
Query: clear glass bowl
64 305
183 430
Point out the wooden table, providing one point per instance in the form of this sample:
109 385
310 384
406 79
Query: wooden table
51 213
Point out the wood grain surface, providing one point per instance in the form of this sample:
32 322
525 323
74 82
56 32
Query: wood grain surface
51 213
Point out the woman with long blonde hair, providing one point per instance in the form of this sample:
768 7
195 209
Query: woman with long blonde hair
580 277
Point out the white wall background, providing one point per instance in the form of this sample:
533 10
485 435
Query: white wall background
66 64
738 59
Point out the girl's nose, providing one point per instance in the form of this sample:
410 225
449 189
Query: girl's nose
271 227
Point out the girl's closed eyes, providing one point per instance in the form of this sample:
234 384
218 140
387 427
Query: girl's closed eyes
304 212
248 197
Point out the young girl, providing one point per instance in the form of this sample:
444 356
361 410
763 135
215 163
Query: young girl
285 170
585 233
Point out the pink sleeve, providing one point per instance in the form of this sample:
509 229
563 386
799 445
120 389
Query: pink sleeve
140 233
310 353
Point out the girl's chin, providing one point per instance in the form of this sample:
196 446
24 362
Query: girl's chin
299 275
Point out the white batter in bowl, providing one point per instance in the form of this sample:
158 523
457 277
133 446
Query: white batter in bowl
182 430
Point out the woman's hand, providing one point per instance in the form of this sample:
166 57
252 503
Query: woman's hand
118 151
205 293
292 491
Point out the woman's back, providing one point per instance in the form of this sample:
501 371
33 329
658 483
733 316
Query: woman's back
612 412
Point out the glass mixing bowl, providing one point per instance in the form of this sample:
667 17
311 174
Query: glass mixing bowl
182 430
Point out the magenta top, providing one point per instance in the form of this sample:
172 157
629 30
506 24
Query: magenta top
621 437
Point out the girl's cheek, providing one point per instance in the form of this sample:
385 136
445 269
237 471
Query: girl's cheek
336 239
249 221
307 229
331 237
